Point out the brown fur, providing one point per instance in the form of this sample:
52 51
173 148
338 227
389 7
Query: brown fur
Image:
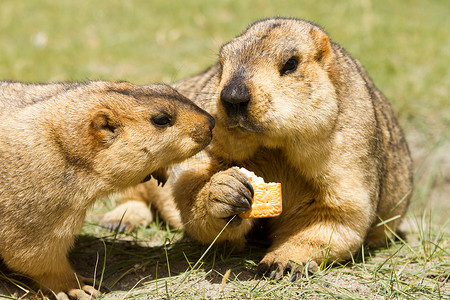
321 128
64 145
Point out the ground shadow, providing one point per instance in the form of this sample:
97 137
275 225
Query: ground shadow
122 265
128 264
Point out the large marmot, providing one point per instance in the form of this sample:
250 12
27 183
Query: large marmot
296 108
64 145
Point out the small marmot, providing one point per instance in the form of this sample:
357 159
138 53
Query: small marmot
64 145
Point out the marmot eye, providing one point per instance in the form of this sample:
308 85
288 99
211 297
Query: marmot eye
161 120
290 66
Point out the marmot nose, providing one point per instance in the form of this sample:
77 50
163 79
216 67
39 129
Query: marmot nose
201 131
235 97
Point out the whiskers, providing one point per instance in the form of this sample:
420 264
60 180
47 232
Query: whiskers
186 91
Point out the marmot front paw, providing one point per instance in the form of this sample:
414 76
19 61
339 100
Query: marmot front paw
230 194
276 264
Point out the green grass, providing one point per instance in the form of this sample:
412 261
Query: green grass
405 46
186 270
178 268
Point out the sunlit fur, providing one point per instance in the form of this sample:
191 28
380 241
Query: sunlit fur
64 145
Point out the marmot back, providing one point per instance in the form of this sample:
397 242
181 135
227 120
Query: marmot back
64 145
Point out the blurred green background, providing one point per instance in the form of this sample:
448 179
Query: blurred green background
405 45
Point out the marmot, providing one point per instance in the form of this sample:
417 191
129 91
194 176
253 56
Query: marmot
64 145
296 108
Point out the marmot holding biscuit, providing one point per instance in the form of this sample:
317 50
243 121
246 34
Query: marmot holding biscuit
294 107
62 146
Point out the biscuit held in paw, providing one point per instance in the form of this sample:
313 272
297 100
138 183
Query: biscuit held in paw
267 201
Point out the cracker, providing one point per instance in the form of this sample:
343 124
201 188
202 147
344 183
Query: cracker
267 201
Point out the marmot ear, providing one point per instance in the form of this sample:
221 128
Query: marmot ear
103 124
323 46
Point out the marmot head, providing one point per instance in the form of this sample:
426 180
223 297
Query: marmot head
133 131
275 82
